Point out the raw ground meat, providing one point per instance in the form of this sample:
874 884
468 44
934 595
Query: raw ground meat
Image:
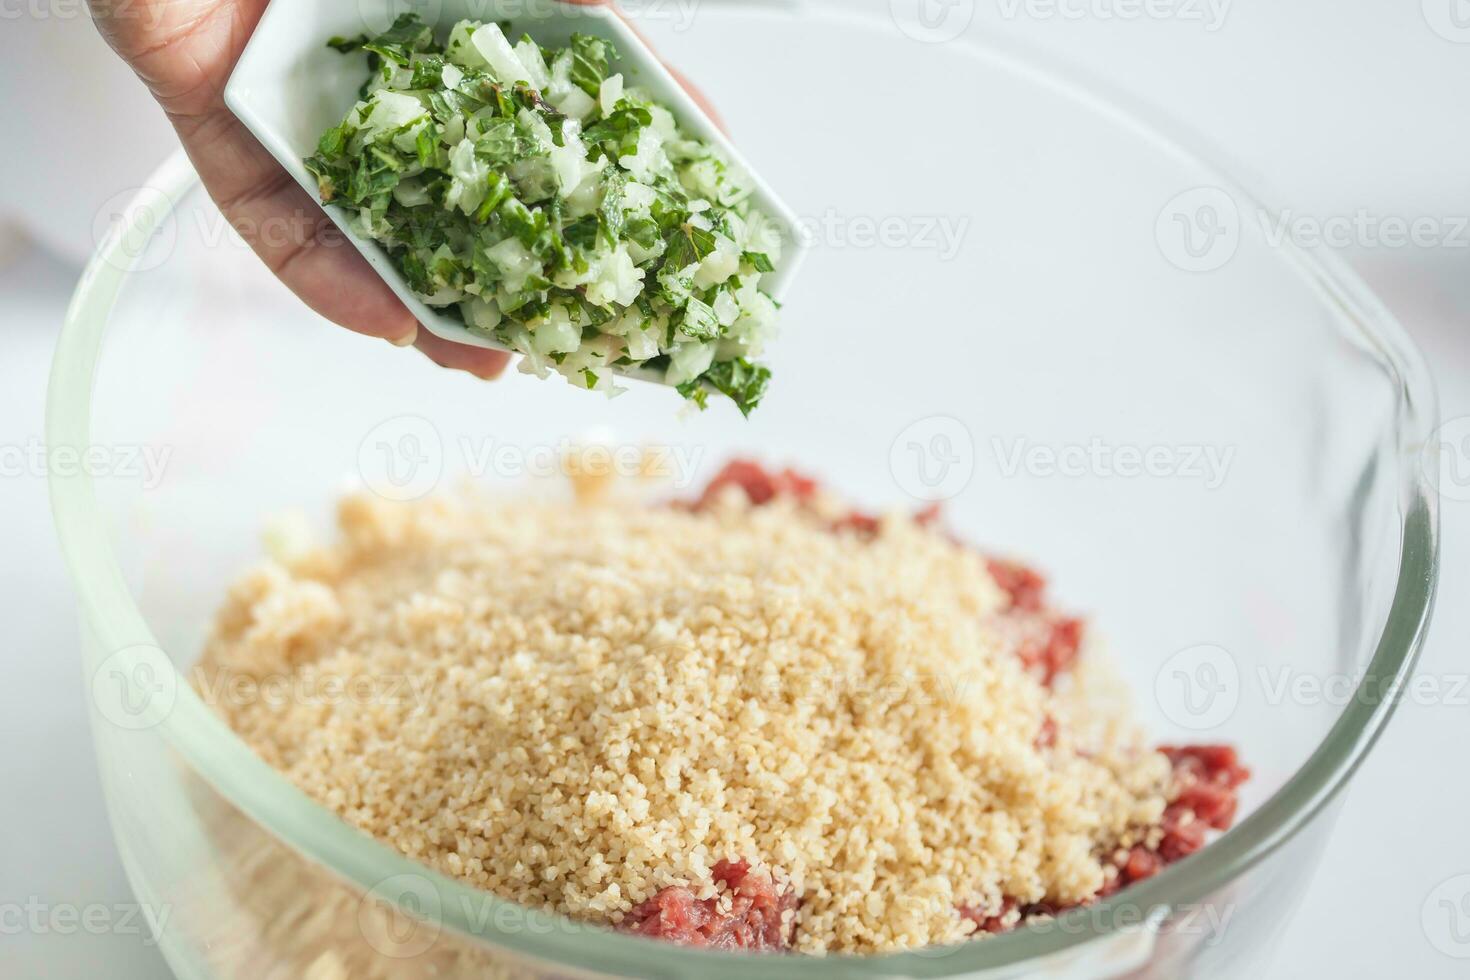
1207 777
753 920
760 484
1048 641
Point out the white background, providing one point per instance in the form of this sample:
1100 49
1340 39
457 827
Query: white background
1339 107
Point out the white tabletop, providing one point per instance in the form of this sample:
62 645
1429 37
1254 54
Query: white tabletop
1345 109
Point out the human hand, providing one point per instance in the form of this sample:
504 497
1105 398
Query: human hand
184 51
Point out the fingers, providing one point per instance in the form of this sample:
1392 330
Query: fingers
482 363
307 252
290 233
184 50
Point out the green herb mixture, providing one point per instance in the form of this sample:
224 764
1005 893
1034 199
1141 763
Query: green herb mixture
558 211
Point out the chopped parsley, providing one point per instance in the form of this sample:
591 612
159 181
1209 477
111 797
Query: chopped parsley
528 192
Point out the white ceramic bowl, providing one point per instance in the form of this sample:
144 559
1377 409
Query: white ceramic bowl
289 88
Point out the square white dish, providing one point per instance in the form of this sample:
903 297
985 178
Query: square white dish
289 87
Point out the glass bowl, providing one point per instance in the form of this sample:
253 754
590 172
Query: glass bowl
1023 302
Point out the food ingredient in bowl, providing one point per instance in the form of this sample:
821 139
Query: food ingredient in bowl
555 209
759 720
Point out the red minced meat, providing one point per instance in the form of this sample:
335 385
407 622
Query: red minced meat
1207 778
760 484
1048 642
754 921
1025 586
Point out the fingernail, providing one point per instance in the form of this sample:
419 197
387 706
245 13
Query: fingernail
407 340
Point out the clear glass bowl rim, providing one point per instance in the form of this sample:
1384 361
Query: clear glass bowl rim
214 753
